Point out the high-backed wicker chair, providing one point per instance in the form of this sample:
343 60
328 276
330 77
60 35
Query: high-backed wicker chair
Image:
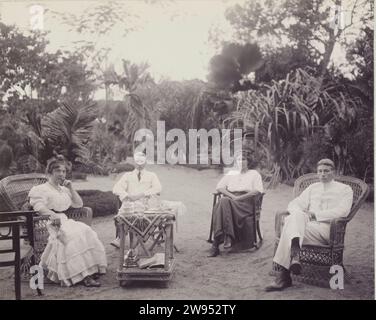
14 192
256 202
316 260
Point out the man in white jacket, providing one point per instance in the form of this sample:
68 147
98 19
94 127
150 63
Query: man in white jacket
309 221
135 186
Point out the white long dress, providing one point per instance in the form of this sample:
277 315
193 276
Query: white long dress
73 251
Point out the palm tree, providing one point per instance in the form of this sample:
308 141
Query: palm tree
66 130
139 115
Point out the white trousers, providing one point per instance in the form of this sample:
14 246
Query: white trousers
308 232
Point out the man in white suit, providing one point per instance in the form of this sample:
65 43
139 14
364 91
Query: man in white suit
133 187
309 221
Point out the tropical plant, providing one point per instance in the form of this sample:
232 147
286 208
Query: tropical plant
66 130
139 115
282 116
175 102
211 107
6 158
360 54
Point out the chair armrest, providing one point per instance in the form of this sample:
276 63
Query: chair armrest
279 221
84 214
216 195
337 231
17 213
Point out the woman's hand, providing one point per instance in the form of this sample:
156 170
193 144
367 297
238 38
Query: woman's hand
227 193
76 198
68 184
55 220
247 195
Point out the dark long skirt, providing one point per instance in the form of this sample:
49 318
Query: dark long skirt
234 218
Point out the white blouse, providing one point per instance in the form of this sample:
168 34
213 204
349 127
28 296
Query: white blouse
47 196
236 181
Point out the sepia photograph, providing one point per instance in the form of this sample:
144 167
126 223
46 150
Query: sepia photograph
169 150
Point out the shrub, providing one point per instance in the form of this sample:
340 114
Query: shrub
102 203
76 175
6 158
122 167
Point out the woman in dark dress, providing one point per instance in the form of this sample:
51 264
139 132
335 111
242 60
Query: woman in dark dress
230 213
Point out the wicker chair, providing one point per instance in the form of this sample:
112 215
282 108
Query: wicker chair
14 192
256 201
316 260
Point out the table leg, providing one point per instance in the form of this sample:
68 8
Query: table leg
121 230
131 257
171 242
169 246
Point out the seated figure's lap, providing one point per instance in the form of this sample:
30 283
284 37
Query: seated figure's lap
316 233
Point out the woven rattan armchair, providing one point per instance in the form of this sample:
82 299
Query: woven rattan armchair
316 260
14 192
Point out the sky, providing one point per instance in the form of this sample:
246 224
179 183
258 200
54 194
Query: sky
172 36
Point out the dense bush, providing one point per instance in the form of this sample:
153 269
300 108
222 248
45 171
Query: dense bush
76 175
102 203
122 167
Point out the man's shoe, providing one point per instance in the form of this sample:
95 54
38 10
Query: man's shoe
295 266
213 252
116 243
282 281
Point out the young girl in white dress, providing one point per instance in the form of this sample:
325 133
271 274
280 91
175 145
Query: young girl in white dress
73 253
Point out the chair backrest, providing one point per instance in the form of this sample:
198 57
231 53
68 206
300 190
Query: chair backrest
359 187
14 189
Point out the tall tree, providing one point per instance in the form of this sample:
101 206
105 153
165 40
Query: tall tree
27 70
19 56
229 70
317 25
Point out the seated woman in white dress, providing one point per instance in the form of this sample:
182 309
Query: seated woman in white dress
230 223
73 253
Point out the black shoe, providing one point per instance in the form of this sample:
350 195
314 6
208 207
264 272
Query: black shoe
295 266
90 282
282 281
213 252
96 276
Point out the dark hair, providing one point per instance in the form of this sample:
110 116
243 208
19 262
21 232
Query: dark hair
57 161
